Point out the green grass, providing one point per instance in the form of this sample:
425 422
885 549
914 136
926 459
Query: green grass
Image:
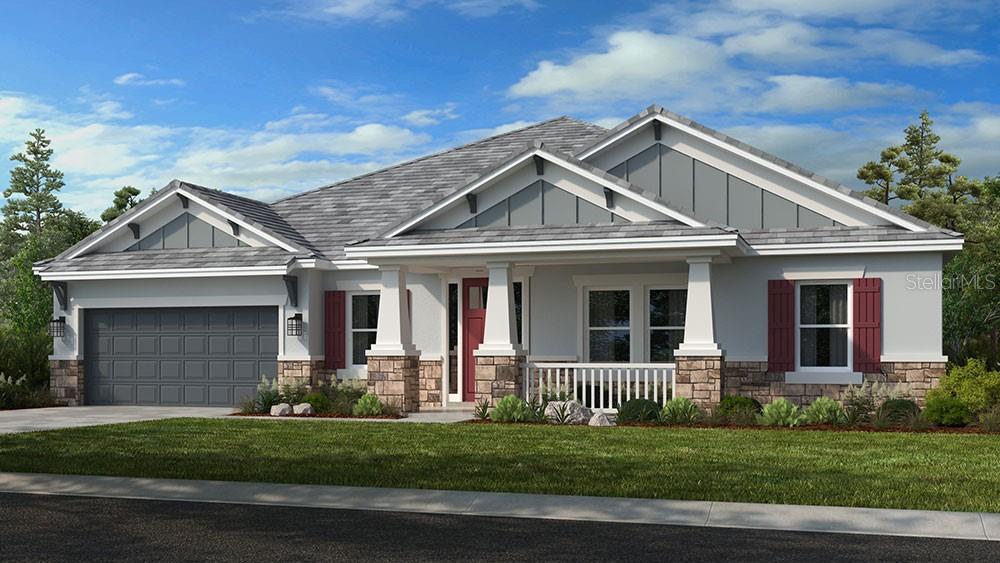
893 470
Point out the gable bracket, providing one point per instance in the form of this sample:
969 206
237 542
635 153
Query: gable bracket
657 130
609 198
62 293
184 200
471 199
539 165
292 288
235 227
134 227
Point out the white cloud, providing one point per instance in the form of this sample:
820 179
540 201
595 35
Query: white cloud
637 65
136 79
386 11
427 117
796 93
608 122
864 10
283 156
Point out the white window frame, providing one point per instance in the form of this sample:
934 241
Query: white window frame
646 317
631 322
817 374
352 369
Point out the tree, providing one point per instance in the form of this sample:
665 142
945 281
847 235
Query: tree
913 170
126 198
37 183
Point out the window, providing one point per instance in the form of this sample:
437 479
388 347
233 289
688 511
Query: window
824 326
364 319
609 325
666 323
186 231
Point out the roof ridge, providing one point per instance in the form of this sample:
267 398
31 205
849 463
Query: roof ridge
432 155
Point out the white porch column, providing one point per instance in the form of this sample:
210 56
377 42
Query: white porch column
500 334
394 335
699 326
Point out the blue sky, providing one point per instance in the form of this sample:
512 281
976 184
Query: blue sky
276 97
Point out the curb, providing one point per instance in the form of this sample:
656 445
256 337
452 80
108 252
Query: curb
825 519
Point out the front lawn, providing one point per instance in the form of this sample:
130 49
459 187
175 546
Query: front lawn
893 470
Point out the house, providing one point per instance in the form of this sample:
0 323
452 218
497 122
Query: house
657 257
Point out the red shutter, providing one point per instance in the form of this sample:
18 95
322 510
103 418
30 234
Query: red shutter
780 325
868 325
335 333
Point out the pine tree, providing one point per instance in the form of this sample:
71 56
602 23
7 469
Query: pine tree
126 198
913 170
37 183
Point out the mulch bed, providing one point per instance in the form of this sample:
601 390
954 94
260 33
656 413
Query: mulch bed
810 428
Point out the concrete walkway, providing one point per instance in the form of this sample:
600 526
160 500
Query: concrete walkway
915 523
30 420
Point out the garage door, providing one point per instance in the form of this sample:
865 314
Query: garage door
191 356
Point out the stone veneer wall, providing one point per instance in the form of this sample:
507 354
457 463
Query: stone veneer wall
304 372
751 379
430 383
497 377
66 382
699 378
395 380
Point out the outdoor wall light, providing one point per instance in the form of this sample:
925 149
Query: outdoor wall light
57 327
294 325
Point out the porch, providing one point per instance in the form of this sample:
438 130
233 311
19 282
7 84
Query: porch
582 320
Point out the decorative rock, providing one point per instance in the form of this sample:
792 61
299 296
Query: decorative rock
281 409
575 412
600 419
303 408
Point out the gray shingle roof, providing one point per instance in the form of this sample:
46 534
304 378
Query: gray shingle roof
547 232
234 257
841 234
833 185
362 207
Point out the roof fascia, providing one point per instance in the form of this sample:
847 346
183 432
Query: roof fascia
941 245
162 273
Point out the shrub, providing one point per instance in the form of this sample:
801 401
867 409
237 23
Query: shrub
824 410
537 409
680 411
944 410
736 404
512 409
319 401
367 405
990 420
482 411
267 394
897 412
392 408
639 410
974 385
25 355
20 394
293 393
344 395
860 403
780 412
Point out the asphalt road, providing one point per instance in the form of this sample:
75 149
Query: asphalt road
49 528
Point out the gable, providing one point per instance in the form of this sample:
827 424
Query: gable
173 223
542 203
725 177
713 194
540 188
187 231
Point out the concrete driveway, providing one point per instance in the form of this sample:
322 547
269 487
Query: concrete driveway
30 420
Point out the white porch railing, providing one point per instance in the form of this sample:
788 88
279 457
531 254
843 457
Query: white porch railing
598 386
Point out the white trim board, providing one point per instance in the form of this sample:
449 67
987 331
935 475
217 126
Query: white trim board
940 245
718 143
170 273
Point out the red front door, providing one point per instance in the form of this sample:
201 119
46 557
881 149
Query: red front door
473 327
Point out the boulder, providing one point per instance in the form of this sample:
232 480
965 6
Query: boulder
303 408
575 412
281 409
600 419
